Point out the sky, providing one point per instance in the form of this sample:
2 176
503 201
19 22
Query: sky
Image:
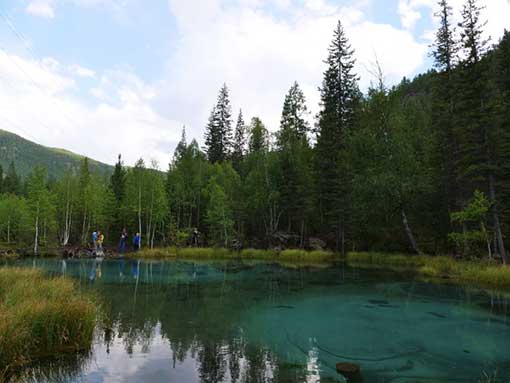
103 77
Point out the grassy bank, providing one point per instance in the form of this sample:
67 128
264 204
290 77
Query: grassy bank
41 316
479 273
291 255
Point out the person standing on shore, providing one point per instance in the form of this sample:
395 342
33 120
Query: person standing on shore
94 240
123 239
100 240
136 242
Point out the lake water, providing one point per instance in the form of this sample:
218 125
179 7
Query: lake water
236 322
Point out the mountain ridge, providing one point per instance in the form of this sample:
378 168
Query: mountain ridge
27 154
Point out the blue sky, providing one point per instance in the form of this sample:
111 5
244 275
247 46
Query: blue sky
102 77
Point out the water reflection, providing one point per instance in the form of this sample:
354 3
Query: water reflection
238 322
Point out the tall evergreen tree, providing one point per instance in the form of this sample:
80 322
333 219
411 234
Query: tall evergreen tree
239 145
180 149
502 133
118 180
118 189
218 136
293 124
443 115
477 158
294 161
12 182
258 136
339 101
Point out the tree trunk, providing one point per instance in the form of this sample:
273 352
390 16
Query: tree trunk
500 245
140 214
36 240
409 233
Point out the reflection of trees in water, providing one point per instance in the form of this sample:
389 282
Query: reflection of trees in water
197 308
200 320
56 370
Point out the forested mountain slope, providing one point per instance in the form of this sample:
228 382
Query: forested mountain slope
27 154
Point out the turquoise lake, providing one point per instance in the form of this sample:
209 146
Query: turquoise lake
183 321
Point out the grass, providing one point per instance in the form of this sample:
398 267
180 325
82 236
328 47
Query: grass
291 255
484 274
40 317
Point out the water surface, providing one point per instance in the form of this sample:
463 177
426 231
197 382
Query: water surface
237 322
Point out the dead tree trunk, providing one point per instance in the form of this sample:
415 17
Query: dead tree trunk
500 244
409 233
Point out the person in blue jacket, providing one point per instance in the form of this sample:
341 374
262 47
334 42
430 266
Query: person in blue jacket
136 242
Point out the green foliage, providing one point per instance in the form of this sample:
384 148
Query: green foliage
219 195
41 317
384 171
339 103
27 155
478 273
41 207
474 213
218 135
15 221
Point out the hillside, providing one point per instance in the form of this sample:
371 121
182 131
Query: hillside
27 154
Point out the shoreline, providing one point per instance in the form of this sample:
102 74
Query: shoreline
476 273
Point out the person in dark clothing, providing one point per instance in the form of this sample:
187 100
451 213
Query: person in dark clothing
136 242
123 240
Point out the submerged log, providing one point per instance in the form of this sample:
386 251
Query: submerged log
350 371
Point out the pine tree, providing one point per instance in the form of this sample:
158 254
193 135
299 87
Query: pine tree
218 136
180 149
118 180
293 125
443 114
239 145
258 136
477 158
445 46
12 182
294 161
339 100
501 134
118 189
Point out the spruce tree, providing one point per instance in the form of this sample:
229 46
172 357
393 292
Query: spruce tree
475 130
12 182
293 124
218 136
180 149
294 160
239 145
118 180
501 134
258 136
443 114
339 101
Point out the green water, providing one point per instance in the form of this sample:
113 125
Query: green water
234 322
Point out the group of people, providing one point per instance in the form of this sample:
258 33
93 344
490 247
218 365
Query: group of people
98 240
123 241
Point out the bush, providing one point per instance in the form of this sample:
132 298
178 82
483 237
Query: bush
40 317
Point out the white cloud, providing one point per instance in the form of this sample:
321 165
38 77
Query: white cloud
42 8
47 8
81 71
37 103
496 13
258 48
259 56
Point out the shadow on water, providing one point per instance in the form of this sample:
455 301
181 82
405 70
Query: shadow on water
255 322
